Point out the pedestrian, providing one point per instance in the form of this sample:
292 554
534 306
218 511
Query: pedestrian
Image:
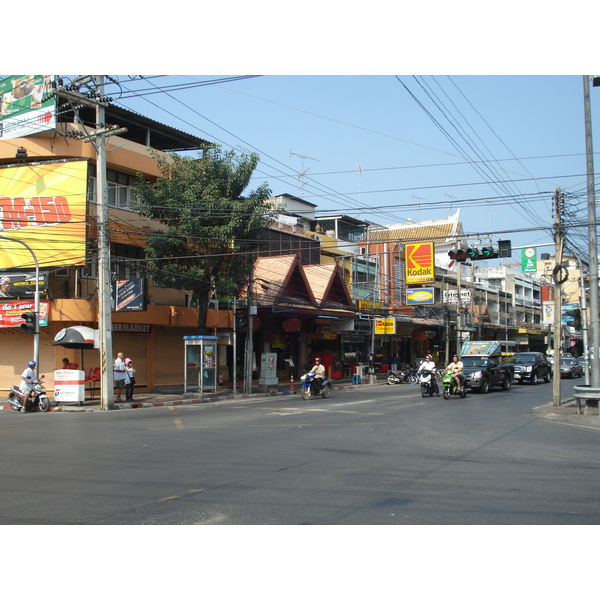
394 362
120 375
130 381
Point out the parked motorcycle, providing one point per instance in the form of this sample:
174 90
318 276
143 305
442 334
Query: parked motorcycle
450 386
395 377
37 400
309 386
426 383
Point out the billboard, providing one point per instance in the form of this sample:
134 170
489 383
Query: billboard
26 106
129 295
21 285
419 259
420 296
43 206
10 312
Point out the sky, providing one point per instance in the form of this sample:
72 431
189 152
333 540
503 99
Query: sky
397 148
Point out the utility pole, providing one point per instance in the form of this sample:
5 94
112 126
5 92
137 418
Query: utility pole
249 349
558 243
98 139
594 337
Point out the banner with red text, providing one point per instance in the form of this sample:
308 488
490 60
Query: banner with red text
43 206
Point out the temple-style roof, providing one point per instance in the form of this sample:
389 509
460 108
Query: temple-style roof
436 230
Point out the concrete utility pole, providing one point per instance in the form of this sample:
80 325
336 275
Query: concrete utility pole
104 275
558 256
594 337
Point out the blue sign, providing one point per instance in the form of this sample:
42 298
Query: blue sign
568 307
420 296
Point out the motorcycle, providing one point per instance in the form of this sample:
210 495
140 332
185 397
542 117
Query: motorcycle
309 386
395 377
450 386
37 399
426 383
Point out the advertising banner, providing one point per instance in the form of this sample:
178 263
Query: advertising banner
26 106
420 265
10 312
129 295
21 285
44 207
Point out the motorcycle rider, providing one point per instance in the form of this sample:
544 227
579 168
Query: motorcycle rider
429 365
27 382
456 367
319 370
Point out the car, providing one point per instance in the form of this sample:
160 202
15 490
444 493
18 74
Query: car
531 367
581 361
569 367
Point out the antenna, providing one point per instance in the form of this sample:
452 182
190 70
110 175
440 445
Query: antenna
360 170
301 175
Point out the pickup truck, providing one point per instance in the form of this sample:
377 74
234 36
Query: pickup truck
485 365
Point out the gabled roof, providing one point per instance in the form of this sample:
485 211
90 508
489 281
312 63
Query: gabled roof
438 230
328 285
283 283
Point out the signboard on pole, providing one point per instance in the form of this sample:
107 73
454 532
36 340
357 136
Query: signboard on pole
385 326
528 260
420 263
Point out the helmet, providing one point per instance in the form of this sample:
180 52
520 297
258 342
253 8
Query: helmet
317 360
31 363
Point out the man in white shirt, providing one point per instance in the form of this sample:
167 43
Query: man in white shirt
429 365
120 375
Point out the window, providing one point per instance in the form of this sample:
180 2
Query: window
120 189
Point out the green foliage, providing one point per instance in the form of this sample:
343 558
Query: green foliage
210 227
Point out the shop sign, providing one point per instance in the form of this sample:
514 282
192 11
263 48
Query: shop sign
131 328
419 260
420 296
385 326
451 296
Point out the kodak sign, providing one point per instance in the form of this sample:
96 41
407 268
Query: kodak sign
420 263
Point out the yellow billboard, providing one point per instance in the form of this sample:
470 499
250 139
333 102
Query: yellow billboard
43 206
420 262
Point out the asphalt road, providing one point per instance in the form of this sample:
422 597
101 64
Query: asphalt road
377 455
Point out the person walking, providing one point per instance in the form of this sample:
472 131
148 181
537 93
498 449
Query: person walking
130 380
120 375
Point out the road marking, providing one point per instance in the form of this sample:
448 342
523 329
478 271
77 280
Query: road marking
178 424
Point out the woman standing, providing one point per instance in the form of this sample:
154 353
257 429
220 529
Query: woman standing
130 380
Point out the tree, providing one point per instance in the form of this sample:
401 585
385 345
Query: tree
210 229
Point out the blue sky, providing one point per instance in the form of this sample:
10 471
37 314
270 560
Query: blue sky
390 149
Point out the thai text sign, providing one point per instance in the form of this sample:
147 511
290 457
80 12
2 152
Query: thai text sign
10 312
420 265
44 207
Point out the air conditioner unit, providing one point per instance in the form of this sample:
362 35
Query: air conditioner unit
214 304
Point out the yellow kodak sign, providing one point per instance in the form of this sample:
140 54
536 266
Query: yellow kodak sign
385 326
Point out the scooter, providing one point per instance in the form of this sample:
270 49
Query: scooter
426 383
450 386
33 401
309 386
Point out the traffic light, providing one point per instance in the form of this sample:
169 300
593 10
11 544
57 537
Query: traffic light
504 249
458 255
31 322
577 319
473 253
